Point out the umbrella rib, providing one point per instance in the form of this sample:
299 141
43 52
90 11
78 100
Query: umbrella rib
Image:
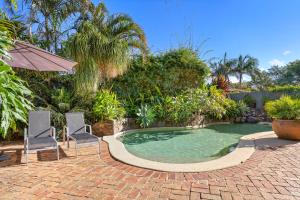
46 58
28 60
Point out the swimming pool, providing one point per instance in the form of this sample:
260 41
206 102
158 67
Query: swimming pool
182 145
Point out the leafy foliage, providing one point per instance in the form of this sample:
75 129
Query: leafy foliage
284 108
210 102
236 109
249 101
145 116
285 88
183 106
107 107
5 43
167 74
14 104
13 92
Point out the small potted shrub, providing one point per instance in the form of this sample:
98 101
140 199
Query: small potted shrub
285 113
108 112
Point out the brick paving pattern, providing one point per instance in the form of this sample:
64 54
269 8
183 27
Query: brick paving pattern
270 173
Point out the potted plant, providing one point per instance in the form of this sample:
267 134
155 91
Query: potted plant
285 113
108 112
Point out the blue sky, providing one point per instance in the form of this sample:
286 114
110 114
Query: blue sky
266 29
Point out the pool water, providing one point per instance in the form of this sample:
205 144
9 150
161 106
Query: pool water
183 145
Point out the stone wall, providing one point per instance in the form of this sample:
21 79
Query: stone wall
111 127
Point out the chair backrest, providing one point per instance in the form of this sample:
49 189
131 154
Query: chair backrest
75 122
39 124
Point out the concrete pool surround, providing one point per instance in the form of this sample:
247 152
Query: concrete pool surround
240 154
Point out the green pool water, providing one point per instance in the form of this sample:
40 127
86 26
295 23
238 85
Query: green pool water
188 145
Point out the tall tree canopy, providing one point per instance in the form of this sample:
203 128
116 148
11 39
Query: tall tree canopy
48 17
288 74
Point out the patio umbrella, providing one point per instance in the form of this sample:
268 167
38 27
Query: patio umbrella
28 56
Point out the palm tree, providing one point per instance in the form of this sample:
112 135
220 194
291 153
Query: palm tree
223 67
49 15
245 65
11 5
102 46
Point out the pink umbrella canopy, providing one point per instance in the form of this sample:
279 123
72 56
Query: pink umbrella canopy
28 56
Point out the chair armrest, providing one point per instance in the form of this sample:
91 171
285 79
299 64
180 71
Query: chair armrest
90 128
53 132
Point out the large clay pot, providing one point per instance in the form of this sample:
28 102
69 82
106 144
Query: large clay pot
287 129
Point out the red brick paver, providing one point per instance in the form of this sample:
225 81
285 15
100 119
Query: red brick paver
268 174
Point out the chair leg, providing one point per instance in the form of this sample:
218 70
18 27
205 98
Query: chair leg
99 150
76 149
68 141
57 152
26 155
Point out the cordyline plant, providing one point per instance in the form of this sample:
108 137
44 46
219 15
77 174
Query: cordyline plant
13 92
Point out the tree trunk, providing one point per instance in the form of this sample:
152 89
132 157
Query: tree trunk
47 32
241 78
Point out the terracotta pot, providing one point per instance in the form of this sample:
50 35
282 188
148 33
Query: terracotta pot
287 129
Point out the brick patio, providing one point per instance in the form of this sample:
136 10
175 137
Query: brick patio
271 173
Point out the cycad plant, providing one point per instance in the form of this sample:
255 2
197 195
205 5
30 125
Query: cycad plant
102 46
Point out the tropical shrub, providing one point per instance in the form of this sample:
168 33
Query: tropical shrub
166 74
145 115
236 109
107 107
250 101
214 107
13 91
285 108
210 102
221 83
14 105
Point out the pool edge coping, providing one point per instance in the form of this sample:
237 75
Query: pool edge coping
244 150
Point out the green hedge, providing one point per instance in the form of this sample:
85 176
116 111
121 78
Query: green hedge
284 88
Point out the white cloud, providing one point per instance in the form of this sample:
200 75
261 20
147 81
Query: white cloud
276 62
286 52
